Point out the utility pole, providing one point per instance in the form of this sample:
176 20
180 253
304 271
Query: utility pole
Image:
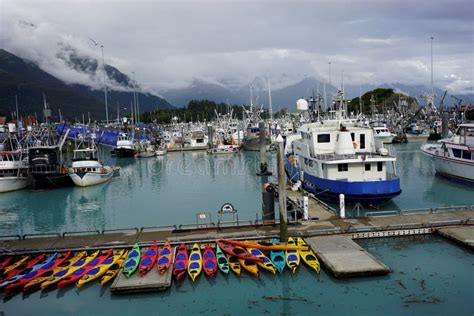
105 86
282 190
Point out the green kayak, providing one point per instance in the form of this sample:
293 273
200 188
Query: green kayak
132 261
222 261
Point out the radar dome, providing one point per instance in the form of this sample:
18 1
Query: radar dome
302 105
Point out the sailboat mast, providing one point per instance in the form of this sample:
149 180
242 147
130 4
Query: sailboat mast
270 109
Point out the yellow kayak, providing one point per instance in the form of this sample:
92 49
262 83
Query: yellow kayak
195 262
292 256
234 264
114 269
250 266
58 276
308 255
16 264
267 264
99 271
32 284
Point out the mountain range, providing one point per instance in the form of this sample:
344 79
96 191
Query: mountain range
27 82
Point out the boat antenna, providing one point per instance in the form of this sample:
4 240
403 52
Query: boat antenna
270 109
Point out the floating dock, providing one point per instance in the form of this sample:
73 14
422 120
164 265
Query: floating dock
151 282
463 235
344 258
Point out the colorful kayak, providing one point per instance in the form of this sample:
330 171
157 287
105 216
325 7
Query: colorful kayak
99 271
222 261
131 263
234 264
78 273
308 256
195 262
25 272
278 258
24 267
58 276
267 264
264 246
48 265
14 265
114 269
148 259
292 256
5 262
209 261
32 285
164 260
250 266
180 262
239 252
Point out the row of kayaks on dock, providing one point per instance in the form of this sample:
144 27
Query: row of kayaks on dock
32 272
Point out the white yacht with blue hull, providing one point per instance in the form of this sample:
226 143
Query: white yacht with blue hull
336 157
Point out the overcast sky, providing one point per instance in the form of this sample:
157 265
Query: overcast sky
168 43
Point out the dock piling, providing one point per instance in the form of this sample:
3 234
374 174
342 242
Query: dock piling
282 190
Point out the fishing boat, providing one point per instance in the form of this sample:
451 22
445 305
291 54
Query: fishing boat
64 273
53 262
125 146
381 133
292 256
209 261
145 150
86 168
224 149
16 278
180 262
114 269
239 252
36 282
222 261
234 264
164 259
278 258
337 156
13 167
266 263
100 270
453 157
308 256
195 262
249 266
19 268
80 272
148 259
132 261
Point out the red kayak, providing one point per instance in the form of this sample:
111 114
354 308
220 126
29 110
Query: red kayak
5 262
180 262
237 252
34 274
164 260
77 274
209 261
23 267
148 259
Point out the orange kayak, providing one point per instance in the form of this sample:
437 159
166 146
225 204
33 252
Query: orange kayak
262 245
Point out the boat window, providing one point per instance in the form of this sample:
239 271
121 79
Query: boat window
322 166
457 153
353 136
367 167
362 141
324 138
379 166
310 163
466 154
342 167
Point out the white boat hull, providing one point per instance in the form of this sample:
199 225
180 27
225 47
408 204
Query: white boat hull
450 167
384 139
92 178
8 184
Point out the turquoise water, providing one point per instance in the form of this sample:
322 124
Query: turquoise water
172 189
430 277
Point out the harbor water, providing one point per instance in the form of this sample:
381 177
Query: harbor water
172 189
430 276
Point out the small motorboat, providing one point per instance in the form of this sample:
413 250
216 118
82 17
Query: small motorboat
180 262
132 261
148 259
195 262
164 259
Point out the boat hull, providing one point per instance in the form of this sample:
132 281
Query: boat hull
125 152
364 192
92 178
8 184
41 181
253 143
449 167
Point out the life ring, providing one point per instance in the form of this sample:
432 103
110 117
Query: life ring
356 146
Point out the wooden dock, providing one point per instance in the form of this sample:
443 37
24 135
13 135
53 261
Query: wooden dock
463 235
344 258
151 282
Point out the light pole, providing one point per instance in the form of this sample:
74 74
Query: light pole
432 86
105 86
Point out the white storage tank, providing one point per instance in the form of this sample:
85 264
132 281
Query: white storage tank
302 105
